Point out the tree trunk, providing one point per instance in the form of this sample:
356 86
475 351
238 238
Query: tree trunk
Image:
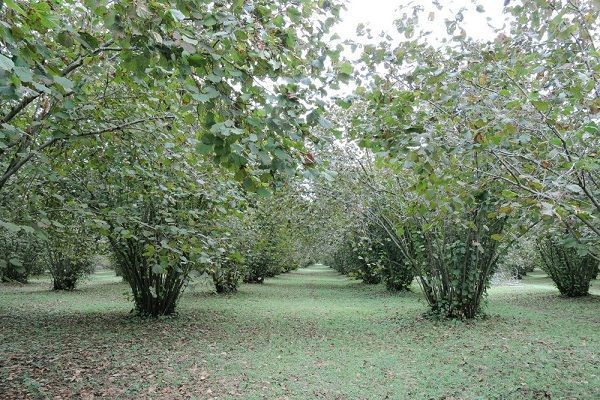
154 293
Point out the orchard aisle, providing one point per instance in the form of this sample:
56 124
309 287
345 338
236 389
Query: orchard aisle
310 333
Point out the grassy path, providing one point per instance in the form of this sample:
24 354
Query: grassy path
308 334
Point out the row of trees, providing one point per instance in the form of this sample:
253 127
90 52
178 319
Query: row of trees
268 238
379 231
161 131
29 255
147 126
248 245
474 145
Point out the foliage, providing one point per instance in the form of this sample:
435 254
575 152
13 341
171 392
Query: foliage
452 118
341 255
347 235
521 258
372 257
192 136
570 270
261 263
368 261
275 232
228 273
143 117
264 255
70 70
524 105
397 273
154 208
21 256
68 269
156 248
456 259
69 255
69 241
438 207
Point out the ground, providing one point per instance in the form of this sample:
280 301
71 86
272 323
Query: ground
308 334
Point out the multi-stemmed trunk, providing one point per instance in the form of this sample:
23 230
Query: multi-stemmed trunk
155 292
570 271
453 262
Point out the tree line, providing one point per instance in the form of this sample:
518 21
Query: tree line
205 136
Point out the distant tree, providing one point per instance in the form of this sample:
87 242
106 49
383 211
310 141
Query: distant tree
20 256
570 270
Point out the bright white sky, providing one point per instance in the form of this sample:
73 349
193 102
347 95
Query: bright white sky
380 14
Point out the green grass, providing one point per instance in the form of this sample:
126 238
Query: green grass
308 334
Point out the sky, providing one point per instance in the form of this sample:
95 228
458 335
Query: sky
380 14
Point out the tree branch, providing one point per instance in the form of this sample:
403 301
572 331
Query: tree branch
12 170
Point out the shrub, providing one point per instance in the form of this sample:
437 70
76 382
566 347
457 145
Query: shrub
157 278
455 258
261 264
266 239
20 257
69 252
156 252
570 271
397 275
67 269
368 263
395 271
266 257
343 259
228 274
372 257
355 258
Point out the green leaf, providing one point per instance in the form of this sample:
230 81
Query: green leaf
24 74
88 40
6 63
556 142
203 148
294 14
16 262
278 21
290 40
209 21
10 227
248 184
263 192
176 14
14 6
508 194
156 269
64 82
345 68
197 60
325 123
65 38
542 106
